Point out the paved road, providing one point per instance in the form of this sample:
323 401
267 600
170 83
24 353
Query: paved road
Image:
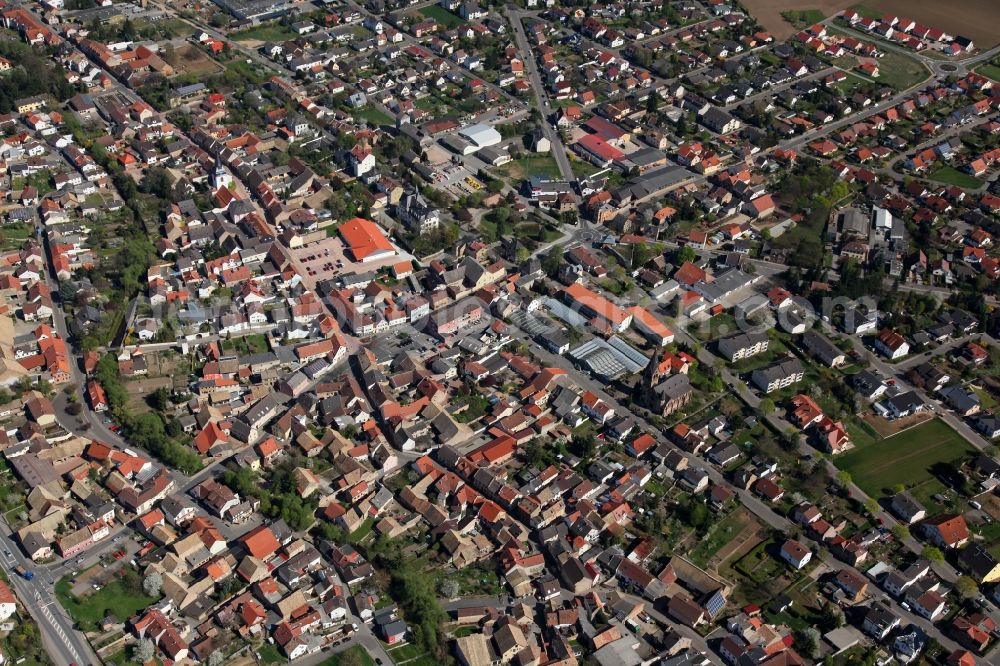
61 640
541 97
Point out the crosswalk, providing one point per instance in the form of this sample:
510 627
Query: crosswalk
56 625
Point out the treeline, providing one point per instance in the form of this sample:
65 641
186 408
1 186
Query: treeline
31 74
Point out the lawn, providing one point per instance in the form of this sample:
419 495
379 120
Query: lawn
253 74
442 16
406 652
952 176
112 598
359 534
990 70
861 433
718 537
532 165
848 85
466 631
373 116
895 69
717 327
358 651
14 235
270 655
247 344
907 458
900 71
271 32
758 565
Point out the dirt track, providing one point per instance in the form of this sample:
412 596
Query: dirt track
977 19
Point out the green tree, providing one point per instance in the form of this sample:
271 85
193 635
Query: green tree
684 254
767 406
552 260
932 554
966 587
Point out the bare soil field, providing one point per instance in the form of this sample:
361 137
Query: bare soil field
887 428
973 18
768 12
192 60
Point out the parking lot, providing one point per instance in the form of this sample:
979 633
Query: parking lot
326 259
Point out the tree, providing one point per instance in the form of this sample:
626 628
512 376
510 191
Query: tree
832 617
217 659
872 506
160 399
966 587
697 514
807 641
900 531
684 254
448 588
144 651
933 554
552 261
767 406
844 478
152 583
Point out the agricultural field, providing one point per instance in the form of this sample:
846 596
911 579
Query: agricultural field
971 18
770 13
908 458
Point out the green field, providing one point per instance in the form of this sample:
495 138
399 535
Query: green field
990 70
373 116
272 32
442 16
895 69
900 71
848 85
533 165
952 176
357 651
907 458
113 598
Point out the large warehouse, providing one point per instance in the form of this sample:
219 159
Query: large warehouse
480 135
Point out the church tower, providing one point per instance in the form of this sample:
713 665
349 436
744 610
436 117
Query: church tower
220 176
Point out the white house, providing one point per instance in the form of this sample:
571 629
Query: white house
795 553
